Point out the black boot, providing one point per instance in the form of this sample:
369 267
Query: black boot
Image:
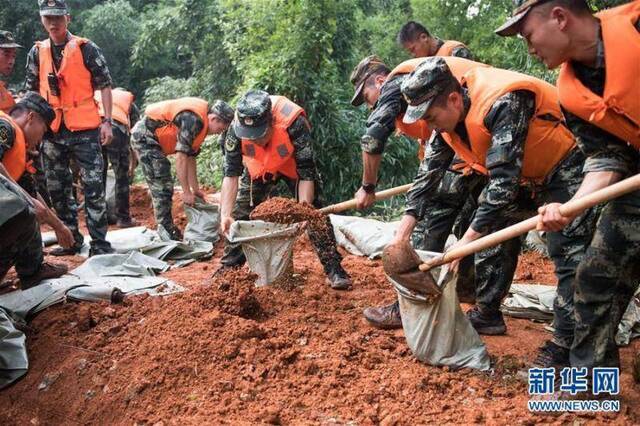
384 317
487 323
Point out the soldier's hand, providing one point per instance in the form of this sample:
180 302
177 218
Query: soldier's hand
363 199
133 163
41 211
188 198
198 193
106 133
65 237
225 224
550 218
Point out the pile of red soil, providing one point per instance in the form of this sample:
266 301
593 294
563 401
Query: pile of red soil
287 210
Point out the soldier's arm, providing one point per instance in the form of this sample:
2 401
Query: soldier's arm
232 171
7 137
233 166
300 134
382 121
32 77
508 122
462 52
97 65
134 114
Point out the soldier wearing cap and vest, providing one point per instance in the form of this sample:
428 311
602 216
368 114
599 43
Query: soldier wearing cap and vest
177 126
118 152
66 70
599 92
379 87
508 127
8 49
416 39
269 141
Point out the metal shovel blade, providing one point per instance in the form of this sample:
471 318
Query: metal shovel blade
400 262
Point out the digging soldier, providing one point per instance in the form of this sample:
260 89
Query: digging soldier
8 50
419 43
66 69
508 127
599 93
179 127
271 136
118 152
379 87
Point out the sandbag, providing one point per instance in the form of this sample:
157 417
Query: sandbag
13 351
267 246
203 222
439 333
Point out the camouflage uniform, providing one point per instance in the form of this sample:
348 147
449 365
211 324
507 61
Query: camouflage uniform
81 146
155 164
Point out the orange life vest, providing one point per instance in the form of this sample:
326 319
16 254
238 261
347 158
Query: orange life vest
75 105
15 160
420 129
277 155
548 141
618 110
166 112
120 105
447 48
6 100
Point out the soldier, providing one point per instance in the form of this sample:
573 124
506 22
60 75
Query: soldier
272 136
66 70
179 127
507 126
419 43
599 91
8 49
20 211
379 87
117 153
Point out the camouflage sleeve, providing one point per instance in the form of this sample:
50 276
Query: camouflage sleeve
233 166
437 159
97 65
190 126
604 152
382 120
32 78
462 52
7 137
300 135
508 122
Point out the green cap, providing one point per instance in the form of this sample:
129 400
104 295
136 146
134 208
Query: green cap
366 68
423 85
223 110
521 8
7 41
253 115
37 104
53 7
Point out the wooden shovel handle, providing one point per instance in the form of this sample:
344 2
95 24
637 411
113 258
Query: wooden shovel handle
569 208
351 204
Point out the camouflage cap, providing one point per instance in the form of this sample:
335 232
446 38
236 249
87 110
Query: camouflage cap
37 104
521 8
7 41
223 110
365 68
53 7
423 85
253 115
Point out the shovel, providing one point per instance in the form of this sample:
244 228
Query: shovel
402 264
352 203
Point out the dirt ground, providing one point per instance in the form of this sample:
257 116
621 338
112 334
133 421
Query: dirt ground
226 353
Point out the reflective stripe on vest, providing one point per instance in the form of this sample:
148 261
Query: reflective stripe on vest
75 105
618 110
447 48
277 155
548 141
6 100
166 112
120 105
15 159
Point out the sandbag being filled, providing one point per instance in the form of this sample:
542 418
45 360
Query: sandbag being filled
203 221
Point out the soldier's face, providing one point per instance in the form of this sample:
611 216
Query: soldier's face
544 31
371 91
216 125
418 48
7 60
33 127
265 139
56 26
446 116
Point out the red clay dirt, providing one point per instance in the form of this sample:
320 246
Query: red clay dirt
225 352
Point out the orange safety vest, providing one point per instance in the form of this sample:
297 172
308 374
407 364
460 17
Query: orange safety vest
166 112
120 105
15 160
447 48
618 110
420 129
547 143
6 100
75 105
276 156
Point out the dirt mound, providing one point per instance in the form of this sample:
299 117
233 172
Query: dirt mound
287 210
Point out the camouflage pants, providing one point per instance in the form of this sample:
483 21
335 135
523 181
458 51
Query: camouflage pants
324 241
606 281
117 154
84 149
157 172
566 248
21 245
40 178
